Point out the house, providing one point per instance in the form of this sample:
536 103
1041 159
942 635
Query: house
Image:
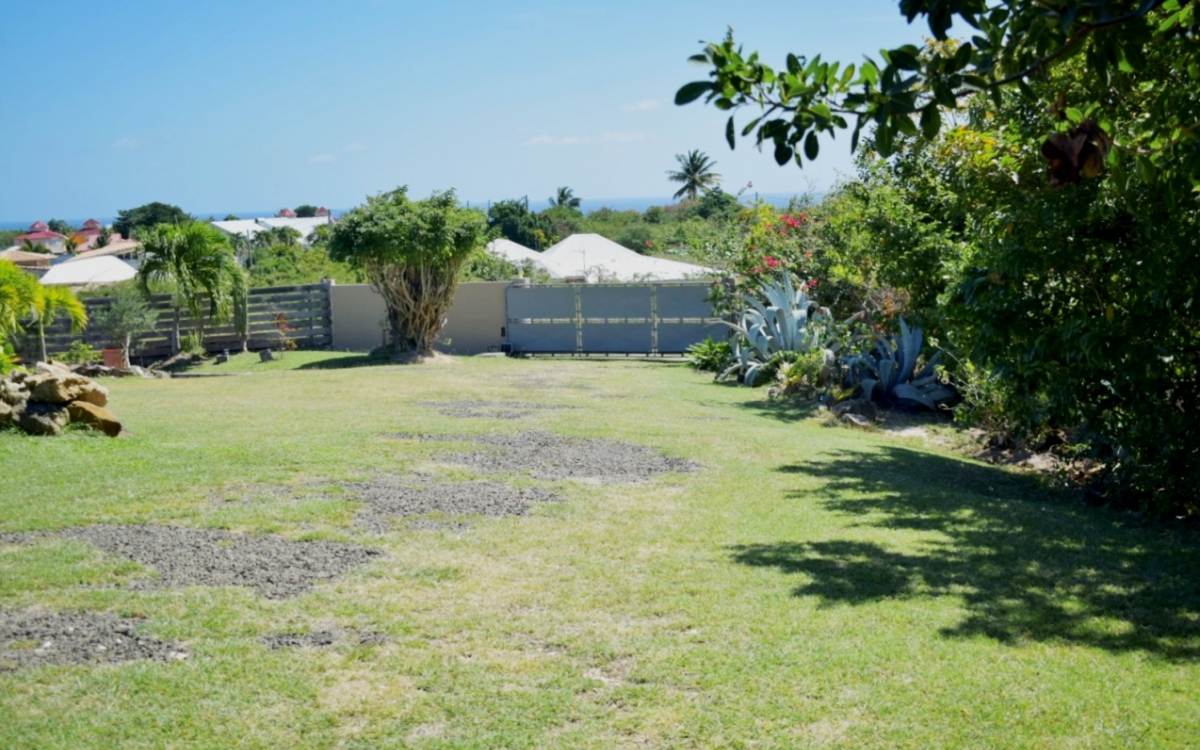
86 238
251 228
287 213
126 250
35 263
39 234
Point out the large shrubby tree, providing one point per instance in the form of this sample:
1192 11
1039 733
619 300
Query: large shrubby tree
412 252
131 221
1060 216
199 261
513 219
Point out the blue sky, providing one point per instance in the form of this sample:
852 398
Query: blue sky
253 105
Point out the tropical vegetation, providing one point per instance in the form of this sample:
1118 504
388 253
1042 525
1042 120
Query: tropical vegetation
411 253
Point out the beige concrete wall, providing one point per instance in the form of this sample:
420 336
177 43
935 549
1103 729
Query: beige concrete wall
473 325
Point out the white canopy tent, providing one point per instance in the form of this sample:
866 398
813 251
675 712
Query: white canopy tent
600 259
89 272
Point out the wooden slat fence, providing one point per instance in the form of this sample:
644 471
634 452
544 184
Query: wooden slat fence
307 308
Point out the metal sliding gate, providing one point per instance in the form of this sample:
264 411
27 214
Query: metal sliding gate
608 318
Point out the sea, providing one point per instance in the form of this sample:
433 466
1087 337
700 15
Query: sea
588 205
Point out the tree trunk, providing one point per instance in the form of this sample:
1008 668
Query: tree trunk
176 342
417 299
42 338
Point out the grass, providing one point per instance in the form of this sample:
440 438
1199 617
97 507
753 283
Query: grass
810 587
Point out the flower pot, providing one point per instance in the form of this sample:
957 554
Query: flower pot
113 358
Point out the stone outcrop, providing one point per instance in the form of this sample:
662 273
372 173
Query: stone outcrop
47 400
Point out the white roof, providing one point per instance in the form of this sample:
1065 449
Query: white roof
304 226
244 227
123 247
518 254
600 259
102 270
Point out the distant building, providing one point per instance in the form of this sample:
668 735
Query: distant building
322 211
287 213
39 234
86 237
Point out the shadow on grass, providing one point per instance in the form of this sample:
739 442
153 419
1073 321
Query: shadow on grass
350 360
783 409
1027 566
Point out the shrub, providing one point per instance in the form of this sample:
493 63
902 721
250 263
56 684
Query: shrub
710 355
80 353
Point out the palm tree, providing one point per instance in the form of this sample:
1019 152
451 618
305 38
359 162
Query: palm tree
199 260
52 302
695 172
565 199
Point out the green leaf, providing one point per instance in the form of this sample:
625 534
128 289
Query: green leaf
811 146
931 122
1074 115
729 133
692 91
783 153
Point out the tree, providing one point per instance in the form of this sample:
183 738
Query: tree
412 252
128 315
30 246
198 258
60 226
695 173
565 198
1143 53
150 215
514 220
231 217
306 211
18 294
53 302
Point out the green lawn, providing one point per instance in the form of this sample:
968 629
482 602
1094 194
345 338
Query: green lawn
811 586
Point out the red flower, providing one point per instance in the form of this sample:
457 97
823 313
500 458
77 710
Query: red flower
771 262
649 243
808 255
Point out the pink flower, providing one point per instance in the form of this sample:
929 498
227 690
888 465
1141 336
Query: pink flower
649 243
771 262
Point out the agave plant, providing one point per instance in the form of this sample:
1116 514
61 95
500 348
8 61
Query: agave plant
789 323
888 371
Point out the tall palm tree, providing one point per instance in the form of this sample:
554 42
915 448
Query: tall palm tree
199 260
695 172
18 297
566 199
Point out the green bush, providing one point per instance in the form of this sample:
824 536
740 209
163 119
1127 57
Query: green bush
79 353
710 355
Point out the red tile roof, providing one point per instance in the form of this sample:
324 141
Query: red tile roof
42 235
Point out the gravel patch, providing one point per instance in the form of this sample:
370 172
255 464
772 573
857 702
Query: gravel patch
13 538
553 457
275 567
36 639
391 498
491 409
324 639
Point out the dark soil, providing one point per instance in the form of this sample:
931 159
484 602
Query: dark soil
553 457
324 639
491 409
391 498
35 639
275 567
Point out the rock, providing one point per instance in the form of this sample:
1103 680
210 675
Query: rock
7 414
857 420
133 371
266 355
44 419
860 407
65 387
13 393
51 367
222 359
96 417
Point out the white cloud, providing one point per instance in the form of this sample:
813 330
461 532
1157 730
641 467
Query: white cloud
611 136
355 147
322 159
127 143
645 105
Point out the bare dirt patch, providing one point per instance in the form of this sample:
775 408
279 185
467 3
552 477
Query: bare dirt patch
324 639
36 639
275 567
399 497
553 457
491 409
